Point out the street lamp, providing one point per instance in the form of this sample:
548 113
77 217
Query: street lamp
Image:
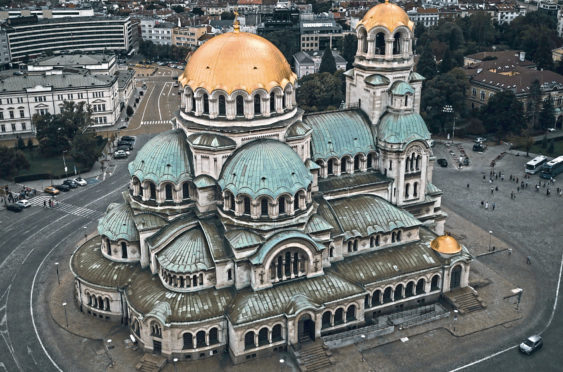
66 317
64 162
450 110
175 360
282 361
363 337
490 239
57 267
108 346
85 234
455 317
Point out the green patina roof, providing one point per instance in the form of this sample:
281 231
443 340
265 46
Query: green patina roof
88 263
215 242
239 239
161 311
312 165
401 88
265 167
280 237
297 130
146 291
168 231
316 224
432 189
402 128
415 76
164 158
204 180
288 298
118 223
340 133
187 253
350 72
390 262
211 140
376 80
364 215
352 181
148 221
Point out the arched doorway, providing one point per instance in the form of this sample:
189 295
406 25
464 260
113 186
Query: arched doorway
306 329
456 277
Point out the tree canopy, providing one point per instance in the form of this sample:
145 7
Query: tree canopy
286 41
348 49
320 92
11 161
502 115
547 114
328 64
162 52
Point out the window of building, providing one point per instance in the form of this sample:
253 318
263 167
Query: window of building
11 114
24 127
474 92
22 113
3 128
482 95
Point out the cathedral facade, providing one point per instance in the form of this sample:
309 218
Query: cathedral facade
253 226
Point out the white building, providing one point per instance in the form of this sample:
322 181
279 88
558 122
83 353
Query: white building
157 31
306 63
426 16
47 13
97 64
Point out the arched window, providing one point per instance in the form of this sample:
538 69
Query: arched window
356 163
168 191
123 250
200 339
393 237
281 205
376 298
406 100
277 333
231 201
398 292
418 162
420 286
156 331
213 336
350 245
343 165
330 167
264 207
407 189
230 274
326 319
387 295
206 104
288 264
249 341
284 100
296 202
372 241
240 106
100 303
272 102
185 190
399 235
351 313
257 105
415 190
152 189
108 246
263 337
409 290
380 44
222 106
370 161
188 341
193 103
355 245
331 252
364 41
339 316
435 283
246 201
397 43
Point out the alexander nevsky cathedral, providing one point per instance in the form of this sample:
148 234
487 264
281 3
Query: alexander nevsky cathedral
254 226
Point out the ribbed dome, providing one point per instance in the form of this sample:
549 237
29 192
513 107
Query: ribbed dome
118 223
402 128
387 15
265 167
445 244
237 60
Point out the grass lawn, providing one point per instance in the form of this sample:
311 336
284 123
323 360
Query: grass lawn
557 147
40 164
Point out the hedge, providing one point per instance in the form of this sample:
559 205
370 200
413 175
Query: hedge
43 176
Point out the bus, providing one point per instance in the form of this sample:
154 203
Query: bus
534 165
552 168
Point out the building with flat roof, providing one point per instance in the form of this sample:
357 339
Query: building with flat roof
97 64
159 32
318 32
30 37
46 13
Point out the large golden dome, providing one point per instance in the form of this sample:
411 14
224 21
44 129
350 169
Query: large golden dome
237 60
387 15
445 244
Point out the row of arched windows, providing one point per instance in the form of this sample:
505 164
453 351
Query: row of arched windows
414 190
374 241
149 191
266 206
181 281
288 264
123 245
337 317
265 336
413 163
201 339
379 46
98 302
347 164
400 291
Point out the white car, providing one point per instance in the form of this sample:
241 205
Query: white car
24 203
80 181
551 129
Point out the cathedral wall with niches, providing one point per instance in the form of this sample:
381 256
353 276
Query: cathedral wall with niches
98 302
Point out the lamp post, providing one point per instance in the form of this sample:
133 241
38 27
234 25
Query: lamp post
282 361
363 338
490 239
66 317
175 360
455 317
85 234
108 346
450 110
64 162
57 268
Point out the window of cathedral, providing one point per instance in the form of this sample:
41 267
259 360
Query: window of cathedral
277 333
206 104
363 41
272 102
188 341
357 160
370 161
240 105
193 103
409 289
387 295
420 286
397 43
249 341
330 167
288 264
351 313
376 298
264 207
168 192
156 329
406 101
230 274
339 316
185 190
418 162
200 339
407 189
123 250
390 165
435 283
325 323
398 293
213 336
246 202
257 105
281 205
222 106
380 43
263 337
152 191
415 190
296 202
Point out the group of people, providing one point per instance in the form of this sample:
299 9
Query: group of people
12 197
52 203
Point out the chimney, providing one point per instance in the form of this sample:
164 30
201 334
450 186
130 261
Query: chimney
522 56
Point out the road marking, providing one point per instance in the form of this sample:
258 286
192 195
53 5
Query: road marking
155 122
158 104
4 324
147 103
67 208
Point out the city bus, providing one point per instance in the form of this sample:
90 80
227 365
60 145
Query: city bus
534 165
552 168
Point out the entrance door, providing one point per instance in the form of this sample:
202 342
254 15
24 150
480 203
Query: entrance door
306 329
157 347
456 277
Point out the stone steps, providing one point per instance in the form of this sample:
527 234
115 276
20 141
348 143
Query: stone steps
151 363
313 357
465 300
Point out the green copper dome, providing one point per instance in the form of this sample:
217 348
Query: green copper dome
402 128
401 88
118 223
164 158
265 167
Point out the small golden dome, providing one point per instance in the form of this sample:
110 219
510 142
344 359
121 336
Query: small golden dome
445 244
237 60
387 15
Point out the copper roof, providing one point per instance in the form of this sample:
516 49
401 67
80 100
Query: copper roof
387 15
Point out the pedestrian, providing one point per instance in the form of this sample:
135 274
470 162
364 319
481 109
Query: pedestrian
492 190
528 260
493 208
547 192
467 185
502 177
486 205
483 177
482 203
494 248
496 188
44 203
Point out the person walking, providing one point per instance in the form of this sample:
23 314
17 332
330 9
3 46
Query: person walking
493 206
486 205
44 203
528 260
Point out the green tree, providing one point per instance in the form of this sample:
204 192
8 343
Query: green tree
197 11
349 48
227 16
286 41
502 115
29 143
321 6
84 149
447 63
547 114
178 9
20 144
551 147
11 161
129 111
419 29
544 141
534 102
320 92
328 64
426 65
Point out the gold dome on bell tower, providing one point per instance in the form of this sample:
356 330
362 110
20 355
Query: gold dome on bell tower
387 15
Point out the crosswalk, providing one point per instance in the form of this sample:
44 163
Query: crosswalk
67 208
155 122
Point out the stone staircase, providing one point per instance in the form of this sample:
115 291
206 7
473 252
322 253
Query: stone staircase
313 356
151 363
465 300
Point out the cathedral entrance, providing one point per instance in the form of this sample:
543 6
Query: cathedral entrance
456 277
306 329
156 347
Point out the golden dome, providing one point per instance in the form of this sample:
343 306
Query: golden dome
237 60
387 15
445 244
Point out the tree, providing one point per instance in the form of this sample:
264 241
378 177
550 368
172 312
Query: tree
11 161
129 111
551 147
547 114
286 41
426 65
178 9
349 49
447 64
197 11
503 114
84 149
534 102
226 16
20 144
419 29
321 6
29 143
328 64
322 91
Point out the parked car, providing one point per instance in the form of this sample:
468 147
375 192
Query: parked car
128 138
480 139
14 207
120 154
125 149
80 181
24 203
466 161
51 190
62 187
442 162
479 147
126 145
551 129
531 344
70 183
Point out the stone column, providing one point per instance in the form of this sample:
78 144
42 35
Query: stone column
371 46
248 107
230 108
213 108
389 48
